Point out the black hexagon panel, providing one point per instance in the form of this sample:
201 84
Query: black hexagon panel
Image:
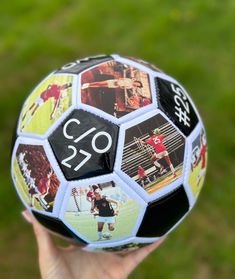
84 145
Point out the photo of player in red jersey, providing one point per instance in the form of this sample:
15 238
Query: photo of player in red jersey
35 178
156 141
40 191
143 176
158 148
202 158
54 92
115 88
90 196
198 163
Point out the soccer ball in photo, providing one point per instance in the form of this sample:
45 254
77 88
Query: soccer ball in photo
110 153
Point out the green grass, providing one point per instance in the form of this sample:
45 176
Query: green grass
191 40
86 224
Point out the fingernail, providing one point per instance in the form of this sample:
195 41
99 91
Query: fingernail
27 216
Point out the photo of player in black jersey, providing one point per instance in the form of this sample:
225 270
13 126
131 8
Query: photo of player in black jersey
106 213
101 212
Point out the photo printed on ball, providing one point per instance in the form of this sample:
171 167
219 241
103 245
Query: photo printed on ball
101 212
153 153
115 88
35 177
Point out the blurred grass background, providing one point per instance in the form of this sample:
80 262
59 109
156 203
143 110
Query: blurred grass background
194 41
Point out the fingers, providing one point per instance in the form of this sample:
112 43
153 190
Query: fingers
133 258
44 240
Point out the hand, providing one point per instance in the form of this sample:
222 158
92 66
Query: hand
72 262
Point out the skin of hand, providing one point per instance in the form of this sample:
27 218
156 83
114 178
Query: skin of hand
74 263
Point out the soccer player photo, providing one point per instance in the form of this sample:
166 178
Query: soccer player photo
34 177
101 212
198 163
45 105
153 153
115 88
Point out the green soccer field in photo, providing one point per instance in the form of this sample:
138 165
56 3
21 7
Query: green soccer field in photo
86 224
191 40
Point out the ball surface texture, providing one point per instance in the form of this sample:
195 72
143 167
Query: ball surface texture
110 152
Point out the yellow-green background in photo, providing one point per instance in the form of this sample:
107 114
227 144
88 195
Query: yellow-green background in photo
22 187
86 223
41 122
196 188
193 177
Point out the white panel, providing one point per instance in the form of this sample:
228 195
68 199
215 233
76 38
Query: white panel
130 115
93 247
59 195
133 63
146 239
137 240
100 180
134 185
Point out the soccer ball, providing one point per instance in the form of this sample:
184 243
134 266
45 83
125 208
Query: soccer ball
110 152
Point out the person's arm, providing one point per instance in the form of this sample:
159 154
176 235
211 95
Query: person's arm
142 141
116 204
